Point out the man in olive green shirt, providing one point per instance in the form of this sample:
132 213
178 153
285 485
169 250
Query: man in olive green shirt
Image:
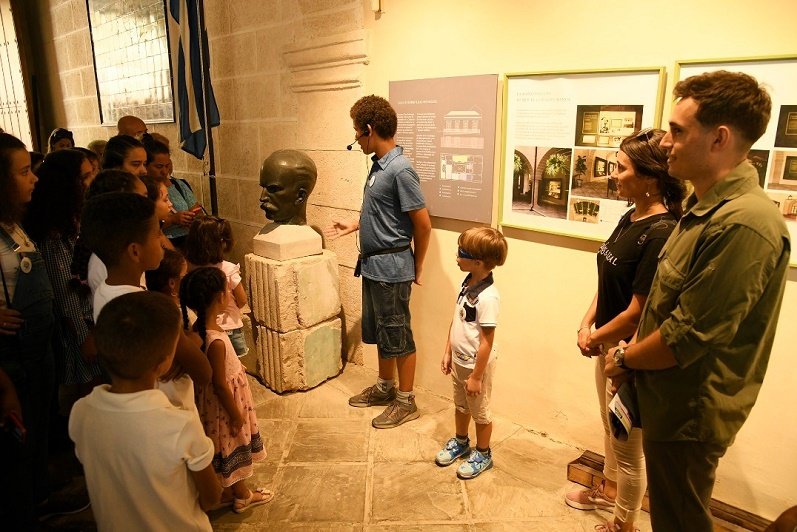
709 322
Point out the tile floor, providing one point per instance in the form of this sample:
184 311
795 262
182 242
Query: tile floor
331 470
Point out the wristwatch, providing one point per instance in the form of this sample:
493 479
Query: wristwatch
619 358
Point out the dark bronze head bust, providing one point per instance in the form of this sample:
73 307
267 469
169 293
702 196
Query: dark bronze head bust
287 178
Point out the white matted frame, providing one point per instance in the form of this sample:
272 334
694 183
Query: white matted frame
560 137
775 154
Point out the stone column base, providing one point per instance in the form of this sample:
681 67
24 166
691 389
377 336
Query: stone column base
299 359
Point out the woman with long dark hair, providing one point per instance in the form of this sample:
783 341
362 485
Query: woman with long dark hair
626 265
53 221
26 326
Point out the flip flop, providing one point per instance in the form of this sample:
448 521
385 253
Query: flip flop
266 496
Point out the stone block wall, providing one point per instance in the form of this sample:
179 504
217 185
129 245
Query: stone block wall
285 73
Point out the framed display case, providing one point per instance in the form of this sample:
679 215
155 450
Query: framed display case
561 131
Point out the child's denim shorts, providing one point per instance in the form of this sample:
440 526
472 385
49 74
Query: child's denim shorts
238 341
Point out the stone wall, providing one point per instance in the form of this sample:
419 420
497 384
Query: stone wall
285 73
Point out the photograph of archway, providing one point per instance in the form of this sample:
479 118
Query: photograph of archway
592 171
541 181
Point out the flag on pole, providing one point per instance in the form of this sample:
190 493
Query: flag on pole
185 48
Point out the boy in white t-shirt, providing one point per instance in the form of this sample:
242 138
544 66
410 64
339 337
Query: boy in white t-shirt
148 463
124 231
470 353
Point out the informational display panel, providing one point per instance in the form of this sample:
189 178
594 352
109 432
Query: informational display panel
447 128
561 135
775 153
131 59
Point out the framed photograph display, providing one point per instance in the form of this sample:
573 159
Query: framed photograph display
775 153
131 59
560 139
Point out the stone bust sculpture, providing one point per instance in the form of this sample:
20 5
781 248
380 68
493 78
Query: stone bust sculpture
287 177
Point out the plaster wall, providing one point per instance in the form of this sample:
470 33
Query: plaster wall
548 281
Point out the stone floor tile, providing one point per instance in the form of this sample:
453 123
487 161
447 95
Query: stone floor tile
414 441
426 527
497 495
330 440
281 406
431 403
265 475
318 494
229 519
532 459
292 527
260 394
276 434
416 491
328 402
353 379
543 524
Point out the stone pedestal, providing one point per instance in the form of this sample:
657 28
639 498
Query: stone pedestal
284 242
296 305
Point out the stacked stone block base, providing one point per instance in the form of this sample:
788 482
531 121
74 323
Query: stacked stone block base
296 305
299 359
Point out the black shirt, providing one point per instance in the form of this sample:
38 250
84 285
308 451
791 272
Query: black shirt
627 262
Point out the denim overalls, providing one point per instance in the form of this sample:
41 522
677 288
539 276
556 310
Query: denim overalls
27 358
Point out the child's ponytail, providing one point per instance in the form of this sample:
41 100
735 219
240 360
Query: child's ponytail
197 291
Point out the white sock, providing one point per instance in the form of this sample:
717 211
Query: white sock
384 385
404 397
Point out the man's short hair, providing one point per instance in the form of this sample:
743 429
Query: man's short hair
136 332
374 111
112 221
485 244
728 98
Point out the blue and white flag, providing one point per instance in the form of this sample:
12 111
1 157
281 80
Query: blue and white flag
185 46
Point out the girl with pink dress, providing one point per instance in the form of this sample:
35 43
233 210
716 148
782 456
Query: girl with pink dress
225 405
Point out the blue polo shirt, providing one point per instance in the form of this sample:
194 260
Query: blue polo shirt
391 191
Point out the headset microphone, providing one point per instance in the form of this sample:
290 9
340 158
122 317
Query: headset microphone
356 140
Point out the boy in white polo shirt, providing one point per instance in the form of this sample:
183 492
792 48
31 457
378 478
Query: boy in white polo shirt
470 353
148 463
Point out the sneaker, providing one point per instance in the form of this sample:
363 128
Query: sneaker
373 396
397 413
453 450
589 499
476 464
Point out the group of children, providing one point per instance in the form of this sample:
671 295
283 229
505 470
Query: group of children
122 426
171 432
136 336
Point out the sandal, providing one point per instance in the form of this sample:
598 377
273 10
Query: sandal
241 505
